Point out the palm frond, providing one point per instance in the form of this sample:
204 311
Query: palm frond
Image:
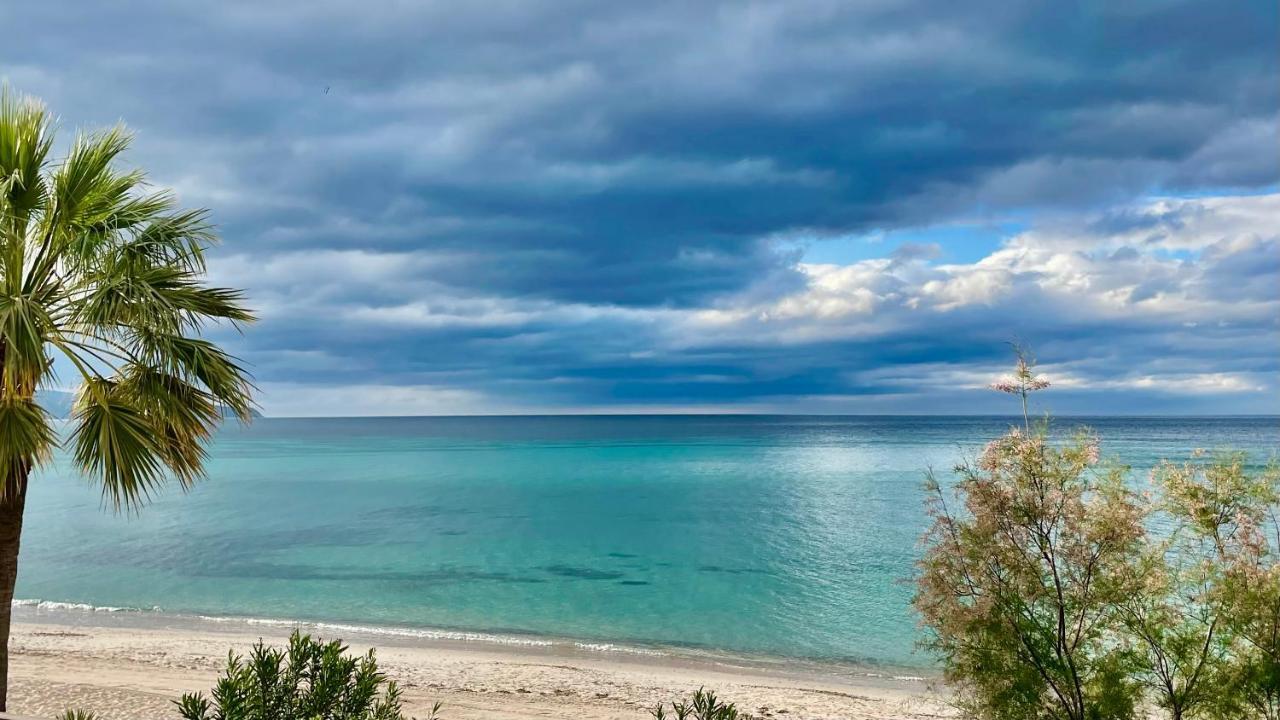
25 141
24 328
111 274
178 239
85 184
114 442
183 417
164 298
205 363
26 439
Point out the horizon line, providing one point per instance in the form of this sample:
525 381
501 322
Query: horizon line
765 414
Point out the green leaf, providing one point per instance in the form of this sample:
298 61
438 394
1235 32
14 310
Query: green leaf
183 417
203 362
114 441
111 274
26 439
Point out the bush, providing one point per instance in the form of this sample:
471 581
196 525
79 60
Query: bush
702 705
311 679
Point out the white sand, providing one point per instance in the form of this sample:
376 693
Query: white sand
130 673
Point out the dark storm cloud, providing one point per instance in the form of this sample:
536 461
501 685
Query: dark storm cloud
1181 312
620 138
528 199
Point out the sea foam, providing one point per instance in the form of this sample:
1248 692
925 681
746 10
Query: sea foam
81 607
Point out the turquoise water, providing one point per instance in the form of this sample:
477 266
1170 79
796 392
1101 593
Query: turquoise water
782 536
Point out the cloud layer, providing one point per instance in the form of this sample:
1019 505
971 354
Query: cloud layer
522 206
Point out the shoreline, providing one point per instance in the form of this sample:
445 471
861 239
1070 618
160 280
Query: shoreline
69 613
131 665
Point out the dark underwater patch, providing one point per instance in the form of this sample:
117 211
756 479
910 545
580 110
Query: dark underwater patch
733 571
302 572
582 573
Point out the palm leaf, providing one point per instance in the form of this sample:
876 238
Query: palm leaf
111 274
26 438
115 443
205 363
25 142
24 328
182 417
85 183
166 298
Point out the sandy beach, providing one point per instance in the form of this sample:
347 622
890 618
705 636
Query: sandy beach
133 673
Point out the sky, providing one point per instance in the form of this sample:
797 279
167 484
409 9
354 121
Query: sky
793 207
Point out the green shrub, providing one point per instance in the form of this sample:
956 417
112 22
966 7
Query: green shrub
311 679
702 705
78 715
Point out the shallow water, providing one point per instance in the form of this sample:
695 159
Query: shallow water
782 536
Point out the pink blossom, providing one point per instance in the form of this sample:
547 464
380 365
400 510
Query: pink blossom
989 460
1091 453
1019 385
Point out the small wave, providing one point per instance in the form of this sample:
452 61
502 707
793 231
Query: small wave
387 631
82 607
456 635
611 648
375 630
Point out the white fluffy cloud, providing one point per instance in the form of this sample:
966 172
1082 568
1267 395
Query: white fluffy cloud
1186 262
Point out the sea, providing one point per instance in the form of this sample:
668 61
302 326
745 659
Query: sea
753 536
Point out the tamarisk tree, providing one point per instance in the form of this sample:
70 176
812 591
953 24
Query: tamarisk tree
1019 583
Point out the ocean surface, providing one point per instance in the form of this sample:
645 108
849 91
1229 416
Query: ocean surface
773 536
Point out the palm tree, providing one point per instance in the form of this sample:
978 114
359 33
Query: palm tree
102 278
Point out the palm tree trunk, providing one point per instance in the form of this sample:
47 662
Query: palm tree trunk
11 507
